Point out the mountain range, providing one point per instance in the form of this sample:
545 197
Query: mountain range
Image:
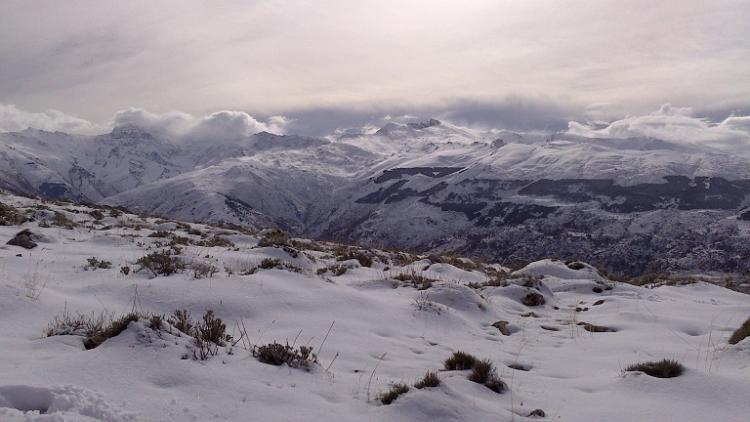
630 205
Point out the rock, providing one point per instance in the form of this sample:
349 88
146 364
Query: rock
537 413
596 328
519 367
598 302
575 265
502 326
597 289
23 239
533 299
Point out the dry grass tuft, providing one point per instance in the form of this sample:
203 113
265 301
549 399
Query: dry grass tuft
741 333
665 368
430 379
460 361
391 395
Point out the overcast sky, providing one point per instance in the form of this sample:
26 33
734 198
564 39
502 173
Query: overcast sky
330 63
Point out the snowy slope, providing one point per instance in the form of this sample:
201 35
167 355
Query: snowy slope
369 330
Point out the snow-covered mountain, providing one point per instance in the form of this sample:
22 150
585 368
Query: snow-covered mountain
631 205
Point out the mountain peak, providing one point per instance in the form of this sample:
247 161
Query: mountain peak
425 124
130 131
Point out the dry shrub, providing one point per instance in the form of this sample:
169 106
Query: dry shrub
212 329
462 263
430 379
61 220
270 263
335 269
665 368
180 319
484 373
403 259
391 395
460 361
741 333
161 263
274 238
217 241
10 216
278 354
416 279
94 329
365 258
203 270
94 263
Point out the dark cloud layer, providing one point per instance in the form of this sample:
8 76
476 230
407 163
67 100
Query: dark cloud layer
513 113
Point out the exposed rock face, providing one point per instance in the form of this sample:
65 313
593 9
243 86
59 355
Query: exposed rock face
425 124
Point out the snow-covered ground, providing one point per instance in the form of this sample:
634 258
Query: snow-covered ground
368 331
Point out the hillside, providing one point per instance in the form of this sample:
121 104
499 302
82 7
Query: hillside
559 334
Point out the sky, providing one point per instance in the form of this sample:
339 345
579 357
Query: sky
314 66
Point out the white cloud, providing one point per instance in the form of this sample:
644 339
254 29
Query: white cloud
232 125
226 125
675 124
13 119
172 123
737 122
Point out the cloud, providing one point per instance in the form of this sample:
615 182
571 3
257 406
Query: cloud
737 122
675 124
92 58
13 119
172 123
226 125
512 113
233 125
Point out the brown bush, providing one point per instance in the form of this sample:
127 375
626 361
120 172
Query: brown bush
416 279
430 379
278 354
217 241
665 368
274 238
484 373
391 395
161 263
10 216
460 361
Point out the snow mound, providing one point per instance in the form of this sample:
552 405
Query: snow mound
555 268
57 404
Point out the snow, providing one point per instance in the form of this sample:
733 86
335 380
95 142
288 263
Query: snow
142 375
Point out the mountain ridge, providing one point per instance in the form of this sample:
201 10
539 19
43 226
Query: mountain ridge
426 186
